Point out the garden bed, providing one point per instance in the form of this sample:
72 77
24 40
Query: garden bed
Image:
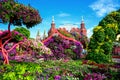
58 70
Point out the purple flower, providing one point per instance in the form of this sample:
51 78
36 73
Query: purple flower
16 33
57 77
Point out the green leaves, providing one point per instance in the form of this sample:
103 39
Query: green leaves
21 71
23 31
9 76
104 35
110 34
19 14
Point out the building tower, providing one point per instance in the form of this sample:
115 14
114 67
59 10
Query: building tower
38 36
51 31
83 30
44 35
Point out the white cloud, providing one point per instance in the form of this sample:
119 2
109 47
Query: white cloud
101 7
89 32
68 26
63 14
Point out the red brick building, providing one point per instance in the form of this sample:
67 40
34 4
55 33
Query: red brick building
82 30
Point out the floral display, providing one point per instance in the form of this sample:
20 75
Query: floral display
27 50
60 56
63 48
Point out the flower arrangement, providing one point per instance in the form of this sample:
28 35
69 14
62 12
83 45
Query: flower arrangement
63 48
25 50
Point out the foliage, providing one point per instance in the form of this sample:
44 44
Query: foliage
66 34
107 48
99 34
12 12
103 37
91 44
23 31
21 71
111 19
59 69
17 36
99 57
70 53
110 34
18 14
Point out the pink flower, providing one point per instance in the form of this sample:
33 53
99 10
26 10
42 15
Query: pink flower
57 77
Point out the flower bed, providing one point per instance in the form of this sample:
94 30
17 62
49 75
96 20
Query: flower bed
56 70
63 48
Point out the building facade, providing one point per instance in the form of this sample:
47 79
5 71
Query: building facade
81 31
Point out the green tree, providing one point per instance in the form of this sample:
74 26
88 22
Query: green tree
107 47
109 34
107 20
92 43
17 14
99 34
101 43
23 31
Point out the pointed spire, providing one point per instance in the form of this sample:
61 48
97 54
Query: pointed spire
38 33
44 34
53 21
82 20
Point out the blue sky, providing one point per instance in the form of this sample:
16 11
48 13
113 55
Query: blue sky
69 12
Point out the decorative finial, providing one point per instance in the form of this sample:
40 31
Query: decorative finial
53 19
38 33
82 20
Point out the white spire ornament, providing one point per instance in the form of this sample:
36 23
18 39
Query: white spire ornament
82 20
53 21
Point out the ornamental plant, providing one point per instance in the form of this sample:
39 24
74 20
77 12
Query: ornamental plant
101 42
20 71
29 51
23 31
63 49
12 12
94 76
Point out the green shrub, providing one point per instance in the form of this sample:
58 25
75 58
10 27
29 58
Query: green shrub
99 57
23 31
20 71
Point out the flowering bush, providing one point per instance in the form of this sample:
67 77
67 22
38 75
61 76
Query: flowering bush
94 76
63 48
25 50
18 13
29 50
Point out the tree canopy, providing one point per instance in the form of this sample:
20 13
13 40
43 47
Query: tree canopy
18 14
101 42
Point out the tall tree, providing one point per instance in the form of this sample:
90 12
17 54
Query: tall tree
12 12
101 43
